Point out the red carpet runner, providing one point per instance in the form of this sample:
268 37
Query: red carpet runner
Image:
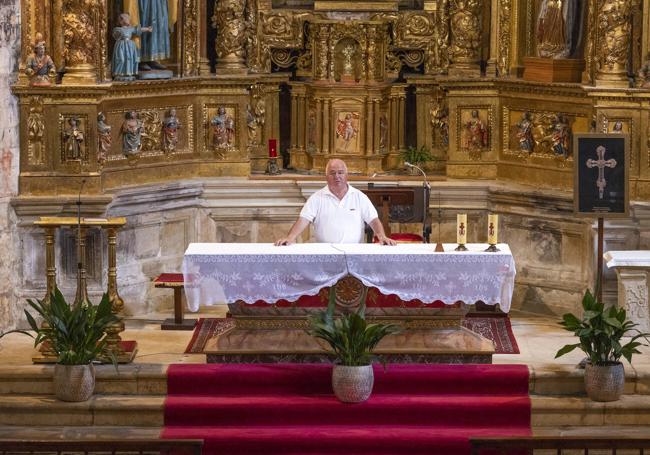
290 408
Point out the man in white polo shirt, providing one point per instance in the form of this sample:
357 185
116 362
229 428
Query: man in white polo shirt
338 212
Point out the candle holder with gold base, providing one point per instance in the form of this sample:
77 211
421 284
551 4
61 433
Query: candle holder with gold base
272 167
492 248
461 247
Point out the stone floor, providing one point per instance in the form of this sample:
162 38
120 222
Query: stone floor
538 337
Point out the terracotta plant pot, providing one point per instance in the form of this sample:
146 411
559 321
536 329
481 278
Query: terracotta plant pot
604 382
352 384
74 382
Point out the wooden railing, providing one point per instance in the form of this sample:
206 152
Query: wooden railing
111 446
575 444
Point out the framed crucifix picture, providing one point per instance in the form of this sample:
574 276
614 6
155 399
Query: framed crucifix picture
601 169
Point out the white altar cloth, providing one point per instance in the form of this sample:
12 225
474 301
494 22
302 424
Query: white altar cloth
226 272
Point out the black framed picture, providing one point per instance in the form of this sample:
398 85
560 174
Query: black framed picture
602 167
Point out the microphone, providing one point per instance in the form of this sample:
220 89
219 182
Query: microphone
79 260
425 202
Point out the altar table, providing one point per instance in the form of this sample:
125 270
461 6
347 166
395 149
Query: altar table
227 272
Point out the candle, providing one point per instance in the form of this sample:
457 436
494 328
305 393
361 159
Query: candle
273 148
461 228
493 229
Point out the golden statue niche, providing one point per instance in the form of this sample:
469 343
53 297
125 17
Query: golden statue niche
349 108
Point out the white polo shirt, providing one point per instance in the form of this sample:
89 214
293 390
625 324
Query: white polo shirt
338 221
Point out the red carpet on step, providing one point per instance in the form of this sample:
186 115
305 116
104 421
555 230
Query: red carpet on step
290 408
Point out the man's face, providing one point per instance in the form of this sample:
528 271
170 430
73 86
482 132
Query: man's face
337 176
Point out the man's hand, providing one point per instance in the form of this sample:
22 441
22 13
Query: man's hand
383 240
284 241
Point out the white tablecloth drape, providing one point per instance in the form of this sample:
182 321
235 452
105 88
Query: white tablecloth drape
226 272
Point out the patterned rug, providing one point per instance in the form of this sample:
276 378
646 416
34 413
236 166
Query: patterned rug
495 327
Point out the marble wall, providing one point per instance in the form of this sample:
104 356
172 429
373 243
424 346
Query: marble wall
9 155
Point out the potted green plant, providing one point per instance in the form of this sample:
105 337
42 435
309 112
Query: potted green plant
77 334
352 341
600 332
416 156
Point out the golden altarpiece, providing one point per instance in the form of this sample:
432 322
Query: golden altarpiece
362 81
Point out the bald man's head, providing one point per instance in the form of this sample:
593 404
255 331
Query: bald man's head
337 176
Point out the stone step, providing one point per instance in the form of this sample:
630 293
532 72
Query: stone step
100 410
148 411
133 379
151 379
555 411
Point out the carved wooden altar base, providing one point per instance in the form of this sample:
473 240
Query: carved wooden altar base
432 333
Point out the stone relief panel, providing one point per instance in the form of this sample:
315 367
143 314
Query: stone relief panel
541 134
165 131
474 130
220 128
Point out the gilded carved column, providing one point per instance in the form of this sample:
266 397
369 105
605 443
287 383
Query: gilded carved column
369 126
294 116
230 43
204 62
319 123
326 126
393 123
401 120
193 37
376 126
81 27
613 29
465 21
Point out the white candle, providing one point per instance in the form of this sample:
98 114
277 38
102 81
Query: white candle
461 228
493 229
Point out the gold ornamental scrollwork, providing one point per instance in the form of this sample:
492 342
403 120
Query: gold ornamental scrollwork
503 60
465 19
230 43
614 29
191 33
152 131
81 26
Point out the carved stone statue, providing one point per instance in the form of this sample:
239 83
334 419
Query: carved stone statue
525 133
125 53
223 129
476 133
131 133
39 66
561 137
559 28
104 139
171 125
73 139
383 132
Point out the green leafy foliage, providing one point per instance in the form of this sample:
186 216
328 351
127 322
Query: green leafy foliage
416 155
77 333
350 336
601 331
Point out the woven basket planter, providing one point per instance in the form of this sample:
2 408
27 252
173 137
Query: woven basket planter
352 384
604 382
74 382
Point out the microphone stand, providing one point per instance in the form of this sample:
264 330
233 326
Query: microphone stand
425 213
82 291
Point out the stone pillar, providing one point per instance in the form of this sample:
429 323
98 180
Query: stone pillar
613 32
465 18
230 43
